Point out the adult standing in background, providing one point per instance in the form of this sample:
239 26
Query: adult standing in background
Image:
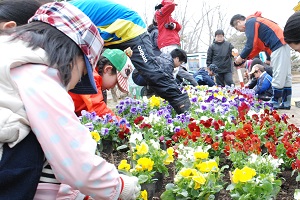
168 28
265 35
122 27
220 54
153 32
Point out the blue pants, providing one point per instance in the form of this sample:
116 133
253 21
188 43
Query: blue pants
20 169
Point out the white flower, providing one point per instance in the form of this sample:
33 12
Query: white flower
297 194
135 136
204 118
253 158
155 144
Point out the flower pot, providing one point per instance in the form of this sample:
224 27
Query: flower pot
163 145
107 146
159 181
150 188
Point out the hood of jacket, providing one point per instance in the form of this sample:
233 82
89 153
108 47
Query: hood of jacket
14 124
152 28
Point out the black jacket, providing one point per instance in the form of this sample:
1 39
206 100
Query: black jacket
220 54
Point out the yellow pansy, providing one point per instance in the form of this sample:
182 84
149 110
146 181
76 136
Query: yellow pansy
124 165
154 101
138 168
185 172
201 155
169 160
95 135
170 151
144 195
146 163
208 166
243 175
199 180
142 149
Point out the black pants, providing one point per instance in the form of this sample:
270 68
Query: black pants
223 79
20 169
144 61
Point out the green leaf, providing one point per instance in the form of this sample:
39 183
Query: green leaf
170 186
143 178
230 187
298 178
122 147
167 195
184 193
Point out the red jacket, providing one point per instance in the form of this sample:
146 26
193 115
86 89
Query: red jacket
91 102
262 35
167 37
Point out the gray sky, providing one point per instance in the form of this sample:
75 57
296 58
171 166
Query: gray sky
276 10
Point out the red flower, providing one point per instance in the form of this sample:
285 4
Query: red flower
216 125
195 135
291 152
215 146
241 134
206 123
123 132
243 110
227 150
194 127
296 165
208 139
183 133
248 128
144 125
169 143
255 117
138 120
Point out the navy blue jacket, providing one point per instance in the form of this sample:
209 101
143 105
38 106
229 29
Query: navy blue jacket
203 78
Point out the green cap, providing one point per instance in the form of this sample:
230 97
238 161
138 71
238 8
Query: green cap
117 57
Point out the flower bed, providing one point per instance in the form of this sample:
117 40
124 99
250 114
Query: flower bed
226 133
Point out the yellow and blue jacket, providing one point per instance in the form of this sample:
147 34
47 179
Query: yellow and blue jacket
116 23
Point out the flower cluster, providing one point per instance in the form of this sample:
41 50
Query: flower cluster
257 179
106 128
199 177
222 125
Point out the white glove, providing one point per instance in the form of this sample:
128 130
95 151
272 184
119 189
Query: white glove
174 25
131 188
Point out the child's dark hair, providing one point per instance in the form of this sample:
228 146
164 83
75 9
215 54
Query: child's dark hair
101 63
181 54
291 30
235 18
19 11
219 32
60 49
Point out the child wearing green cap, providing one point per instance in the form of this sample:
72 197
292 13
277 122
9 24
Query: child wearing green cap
113 68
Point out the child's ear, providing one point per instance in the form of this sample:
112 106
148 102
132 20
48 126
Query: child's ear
10 24
107 69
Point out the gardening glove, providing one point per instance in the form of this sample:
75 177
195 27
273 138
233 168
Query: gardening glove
131 187
238 65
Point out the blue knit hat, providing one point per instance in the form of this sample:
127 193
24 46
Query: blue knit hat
213 68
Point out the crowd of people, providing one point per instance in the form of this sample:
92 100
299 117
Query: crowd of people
58 57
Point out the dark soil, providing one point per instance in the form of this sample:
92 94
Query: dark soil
288 186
